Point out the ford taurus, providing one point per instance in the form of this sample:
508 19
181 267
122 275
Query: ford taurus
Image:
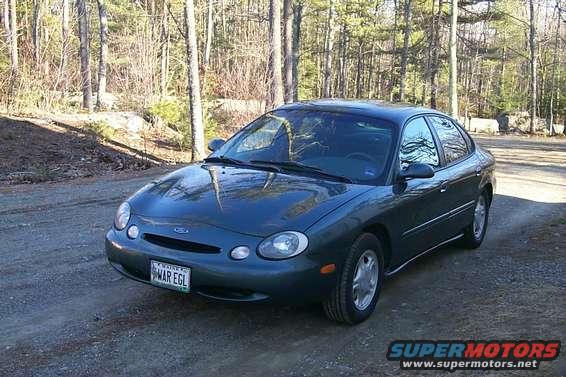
313 201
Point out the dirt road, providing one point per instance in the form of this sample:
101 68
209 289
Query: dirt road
65 311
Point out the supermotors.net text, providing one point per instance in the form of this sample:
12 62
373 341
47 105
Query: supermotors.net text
469 365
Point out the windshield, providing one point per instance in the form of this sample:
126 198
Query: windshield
348 145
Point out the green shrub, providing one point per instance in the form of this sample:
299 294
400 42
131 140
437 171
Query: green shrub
173 113
211 123
101 129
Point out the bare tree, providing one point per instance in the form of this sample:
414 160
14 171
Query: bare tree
164 50
103 58
405 53
288 50
6 19
276 80
13 36
84 53
342 62
65 46
452 61
297 19
533 65
555 65
195 105
35 36
434 55
328 43
209 32
393 50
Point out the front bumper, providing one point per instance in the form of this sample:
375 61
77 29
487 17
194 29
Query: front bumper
218 276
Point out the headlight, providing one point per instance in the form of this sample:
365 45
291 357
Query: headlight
122 216
283 245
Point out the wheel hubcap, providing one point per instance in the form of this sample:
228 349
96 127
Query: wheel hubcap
365 280
479 217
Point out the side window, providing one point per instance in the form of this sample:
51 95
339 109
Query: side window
465 136
417 145
454 145
262 136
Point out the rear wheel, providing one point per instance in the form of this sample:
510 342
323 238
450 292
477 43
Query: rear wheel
475 232
357 290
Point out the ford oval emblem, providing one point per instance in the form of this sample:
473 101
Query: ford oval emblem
181 230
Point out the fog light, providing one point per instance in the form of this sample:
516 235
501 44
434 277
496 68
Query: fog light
133 232
240 252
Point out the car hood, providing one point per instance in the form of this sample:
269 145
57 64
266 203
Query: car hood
244 200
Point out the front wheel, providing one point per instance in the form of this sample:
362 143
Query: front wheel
475 232
354 298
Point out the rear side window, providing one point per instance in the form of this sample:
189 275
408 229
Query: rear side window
454 145
466 137
417 145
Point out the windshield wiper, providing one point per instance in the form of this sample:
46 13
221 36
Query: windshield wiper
285 164
298 166
227 160
234 161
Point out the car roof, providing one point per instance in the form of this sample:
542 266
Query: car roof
397 113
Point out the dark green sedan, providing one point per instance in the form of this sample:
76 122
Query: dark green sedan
313 201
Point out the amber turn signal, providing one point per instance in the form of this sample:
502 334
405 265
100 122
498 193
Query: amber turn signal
328 269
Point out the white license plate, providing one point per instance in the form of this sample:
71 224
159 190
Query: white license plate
170 276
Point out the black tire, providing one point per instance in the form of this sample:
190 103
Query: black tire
470 239
340 306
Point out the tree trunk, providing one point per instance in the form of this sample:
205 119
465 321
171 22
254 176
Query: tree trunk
453 62
434 57
405 53
12 20
288 50
359 69
84 53
533 65
65 47
276 79
393 51
501 86
297 20
195 106
555 64
209 33
328 42
164 50
6 19
35 36
342 62
103 52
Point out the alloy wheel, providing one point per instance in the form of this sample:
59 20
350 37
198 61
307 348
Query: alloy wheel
366 277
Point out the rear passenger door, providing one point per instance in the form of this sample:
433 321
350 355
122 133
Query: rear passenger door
460 171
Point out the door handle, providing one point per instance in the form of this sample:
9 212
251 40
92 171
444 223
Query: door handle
443 186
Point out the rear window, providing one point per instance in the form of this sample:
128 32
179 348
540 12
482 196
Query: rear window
453 143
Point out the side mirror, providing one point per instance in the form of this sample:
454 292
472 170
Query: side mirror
417 171
214 144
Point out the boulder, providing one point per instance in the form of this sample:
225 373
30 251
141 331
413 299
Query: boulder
240 105
129 121
108 101
483 125
519 121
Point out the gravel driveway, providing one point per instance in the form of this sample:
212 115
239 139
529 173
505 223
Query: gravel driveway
65 311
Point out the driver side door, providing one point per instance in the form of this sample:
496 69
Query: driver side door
419 200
